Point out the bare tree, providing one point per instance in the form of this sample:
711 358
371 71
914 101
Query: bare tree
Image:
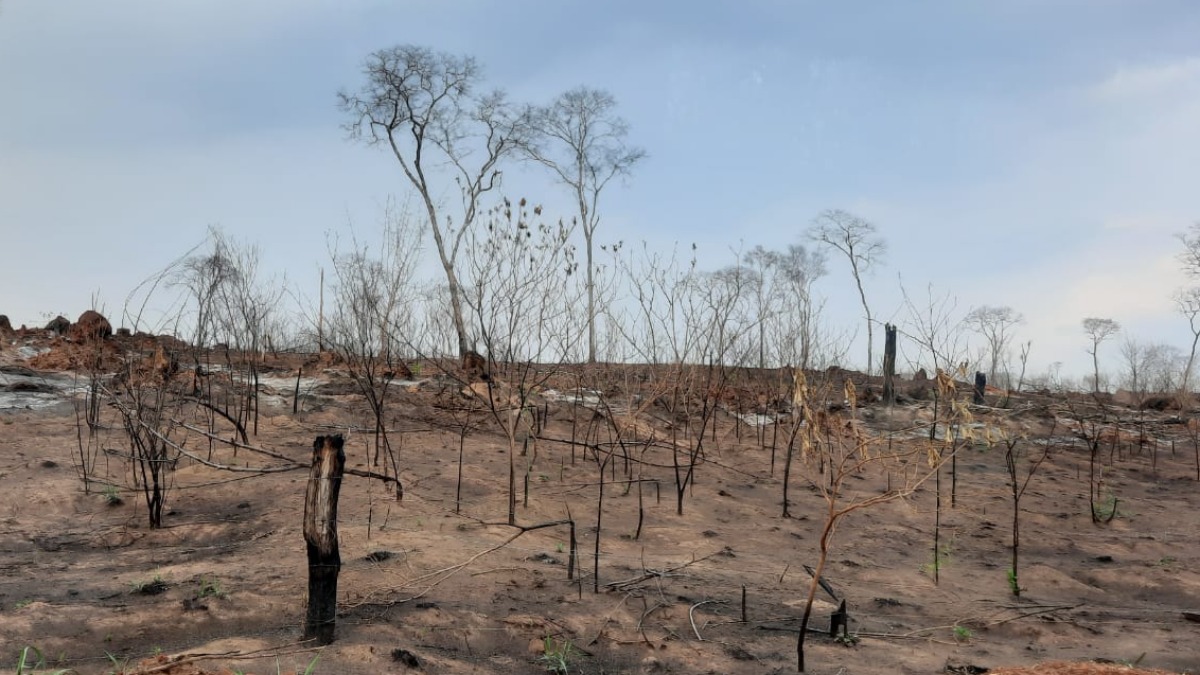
513 273
1137 357
202 277
664 305
371 320
995 324
856 239
1187 301
1150 367
581 140
725 294
834 448
423 106
765 294
784 301
935 326
1098 330
1190 255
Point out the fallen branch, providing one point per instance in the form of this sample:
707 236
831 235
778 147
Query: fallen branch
173 661
692 616
652 573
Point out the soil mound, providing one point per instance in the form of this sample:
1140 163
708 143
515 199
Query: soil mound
91 326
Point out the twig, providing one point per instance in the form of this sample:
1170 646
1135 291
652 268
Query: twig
234 443
692 616
292 466
652 574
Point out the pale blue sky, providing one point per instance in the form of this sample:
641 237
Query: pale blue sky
1050 145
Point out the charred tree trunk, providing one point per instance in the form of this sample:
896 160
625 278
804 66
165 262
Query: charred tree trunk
980 387
320 534
889 364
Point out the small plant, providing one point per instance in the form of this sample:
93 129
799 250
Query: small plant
21 604
846 639
556 655
558 547
118 666
963 634
312 665
112 496
1166 561
210 587
1107 511
940 560
1013 586
152 587
31 659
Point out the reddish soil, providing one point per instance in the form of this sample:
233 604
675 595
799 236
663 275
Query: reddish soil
424 588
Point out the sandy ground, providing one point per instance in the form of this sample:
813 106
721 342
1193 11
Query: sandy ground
88 584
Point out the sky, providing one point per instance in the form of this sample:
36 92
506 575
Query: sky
1038 154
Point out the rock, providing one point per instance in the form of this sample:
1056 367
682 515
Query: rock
59 325
124 332
921 376
91 326
5 325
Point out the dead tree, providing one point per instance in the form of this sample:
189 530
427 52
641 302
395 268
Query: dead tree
320 535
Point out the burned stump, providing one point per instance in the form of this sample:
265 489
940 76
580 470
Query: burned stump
320 535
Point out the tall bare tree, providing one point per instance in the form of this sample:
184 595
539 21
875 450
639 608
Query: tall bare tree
1187 301
858 240
995 324
582 141
1098 330
424 107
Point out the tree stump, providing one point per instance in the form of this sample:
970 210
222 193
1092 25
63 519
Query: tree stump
980 386
889 364
840 620
320 535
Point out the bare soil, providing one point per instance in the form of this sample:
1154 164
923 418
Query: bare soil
428 587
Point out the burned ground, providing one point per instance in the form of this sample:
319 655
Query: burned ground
429 583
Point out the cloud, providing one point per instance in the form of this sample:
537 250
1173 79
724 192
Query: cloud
1122 274
1139 81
